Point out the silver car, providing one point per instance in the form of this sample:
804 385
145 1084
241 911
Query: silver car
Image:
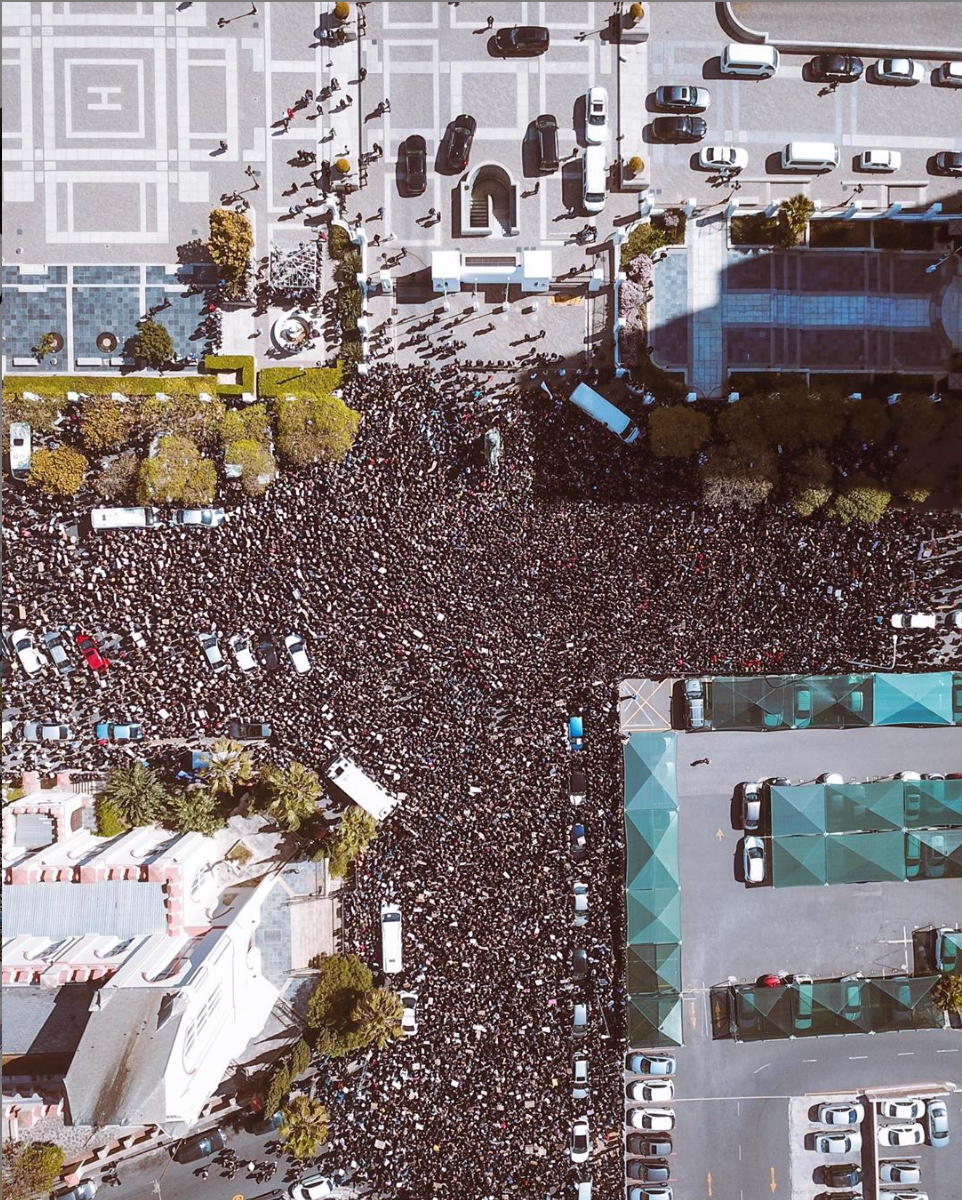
46 731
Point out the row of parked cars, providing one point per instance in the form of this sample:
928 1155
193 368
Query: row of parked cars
243 655
649 1142
34 655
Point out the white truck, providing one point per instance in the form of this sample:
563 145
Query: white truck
361 788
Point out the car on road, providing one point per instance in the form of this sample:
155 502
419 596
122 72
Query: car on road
651 1064
579 965
579 1020
879 160
753 859
649 1145
836 68
750 795
722 158
577 785
661 1192
409 1013
679 129
902 1110
46 731
546 139
648 1172
578 843
576 733
201 1145
211 650
249 731
838 1143
297 653
948 162
579 1076
900 1170
838 1175
947 944
903 72
522 39
914 620
937 1120
22 644
949 74
57 651
198 518
657 1120
119 731
596 116
240 647
312 1187
91 654
682 98
580 1141
580 894
901 1135
841 1114
463 130
651 1091
414 164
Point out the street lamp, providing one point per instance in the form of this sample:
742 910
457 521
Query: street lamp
944 259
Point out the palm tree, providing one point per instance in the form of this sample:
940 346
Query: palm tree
292 794
947 993
136 793
304 1126
378 1015
229 765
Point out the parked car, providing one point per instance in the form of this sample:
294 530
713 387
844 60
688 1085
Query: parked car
241 649
838 1175
751 804
838 1143
119 731
657 1120
695 703
914 620
546 138
900 1170
249 731
58 652
46 731
414 164
91 654
753 858
937 1120
198 518
682 98
723 158
649 1145
580 1141
312 1187
31 659
259 1123
841 1114
577 785
651 1091
579 964
409 1014
949 74
902 1110
522 39
679 129
459 145
211 650
934 856
851 997
578 842
879 160
901 1135
902 72
651 1064
579 1075
85 1190
596 116
201 1145
576 733
580 893
648 1172
836 68
913 855
659 1192
948 162
297 653
265 647
947 943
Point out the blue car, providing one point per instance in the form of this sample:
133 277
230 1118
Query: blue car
576 733
123 731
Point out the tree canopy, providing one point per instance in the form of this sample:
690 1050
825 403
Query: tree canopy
153 344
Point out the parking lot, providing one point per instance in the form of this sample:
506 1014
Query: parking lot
737 1131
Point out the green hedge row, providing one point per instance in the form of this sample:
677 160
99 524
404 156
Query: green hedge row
243 364
317 382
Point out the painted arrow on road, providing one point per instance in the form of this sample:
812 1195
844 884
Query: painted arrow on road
773 1186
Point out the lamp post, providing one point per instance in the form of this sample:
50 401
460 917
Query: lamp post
944 259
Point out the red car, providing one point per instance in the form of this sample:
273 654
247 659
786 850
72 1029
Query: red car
91 655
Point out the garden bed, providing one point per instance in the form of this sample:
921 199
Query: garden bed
835 233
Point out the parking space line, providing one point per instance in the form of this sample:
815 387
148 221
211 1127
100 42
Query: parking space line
856 1057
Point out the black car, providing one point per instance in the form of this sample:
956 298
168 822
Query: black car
579 843
546 132
522 39
579 964
836 68
265 648
679 129
649 1145
459 146
249 731
201 1146
949 162
414 163
648 1172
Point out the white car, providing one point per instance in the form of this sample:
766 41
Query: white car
409 1017
211 648
954 619
596 116
900 71
900 1170
879 160
312 1187
949 74
31 659
46 731
295 648
901 1135
841 1114
580 1141
838 1143
902 1110
651 1091
660 1120
753 856
723 158
241 649
199 518
579 1076
580 891
914 620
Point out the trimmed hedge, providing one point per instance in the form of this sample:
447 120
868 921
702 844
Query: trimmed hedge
103 385
317 382
242 363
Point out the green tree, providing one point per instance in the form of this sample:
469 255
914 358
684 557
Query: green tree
677 431
290 794
30 1169
343 980
351 838
136 792
305 1126
864 502
258 468
47 345
313 429
110 823
947 993
177 474
729 480
300 1057
741 425
869 421
118 477
252 421
917 420
378 1016
152 344
185 415
810 499
278 1088
106 424
196 810
58 472
228 766
230 244
810 482
794 216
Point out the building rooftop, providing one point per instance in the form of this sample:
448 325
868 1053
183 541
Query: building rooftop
121 908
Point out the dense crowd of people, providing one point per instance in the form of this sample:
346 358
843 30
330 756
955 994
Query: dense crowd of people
454 615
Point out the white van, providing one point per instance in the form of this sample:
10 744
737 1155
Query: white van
20 449
124 518
760 62
594 184
392 959
361 788
810 156
595 405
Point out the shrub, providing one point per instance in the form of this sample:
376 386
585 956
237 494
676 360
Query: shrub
729 480
195 810
242 364
339 243
106 424
315 429
30 1169
239 424
177 474
110 823
230 244
41 414
152 344
276 382
677 432
643 239
58 472
118 478
636 12
811 499
342 166
636 165
184 415
342 10
947 993
258 468
53 388
672 223
864 502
